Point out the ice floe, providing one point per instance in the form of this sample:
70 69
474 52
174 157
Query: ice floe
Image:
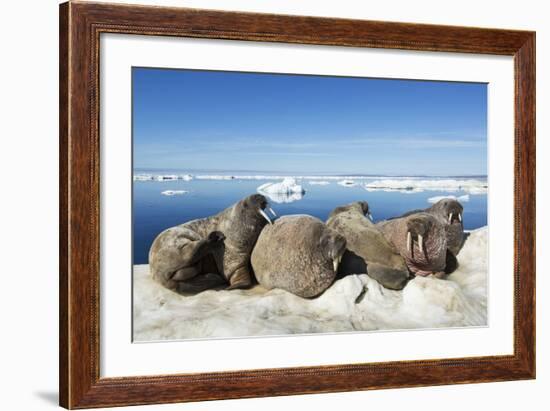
463 199
285 191
174 192
354 303
347 183
470 186
319 183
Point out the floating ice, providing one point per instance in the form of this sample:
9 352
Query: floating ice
354 303
162 177
464 199
347 183
285 191
174 192
319 183
470 186
143 177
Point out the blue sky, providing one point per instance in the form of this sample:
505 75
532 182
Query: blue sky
231 121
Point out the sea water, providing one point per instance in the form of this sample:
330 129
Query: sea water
205 195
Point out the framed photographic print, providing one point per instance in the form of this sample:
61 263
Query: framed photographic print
258 205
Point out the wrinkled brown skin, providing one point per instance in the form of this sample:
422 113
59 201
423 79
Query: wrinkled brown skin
455 230
433 260
296 254
209 252
367 250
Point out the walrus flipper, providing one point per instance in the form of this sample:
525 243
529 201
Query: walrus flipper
451 263
241 278
201 283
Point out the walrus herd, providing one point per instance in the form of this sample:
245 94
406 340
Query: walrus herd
301 254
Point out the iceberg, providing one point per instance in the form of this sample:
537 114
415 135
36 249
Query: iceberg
285 191
319 183
174 192
464 199
352 304
470 186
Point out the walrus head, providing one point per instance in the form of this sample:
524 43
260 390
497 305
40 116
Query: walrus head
417 229
449 209
426 244
258 203
361 206
333 246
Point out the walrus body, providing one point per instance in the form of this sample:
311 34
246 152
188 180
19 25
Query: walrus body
367 250
421 240
448 211
209 252
299 254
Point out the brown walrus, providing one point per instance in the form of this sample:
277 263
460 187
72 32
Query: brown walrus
421 239
449 212
299 254
210 252
367 250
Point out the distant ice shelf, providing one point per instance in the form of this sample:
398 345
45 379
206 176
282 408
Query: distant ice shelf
470 186
163 177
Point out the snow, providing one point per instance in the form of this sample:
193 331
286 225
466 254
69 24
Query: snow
174 192
470 186
354 303
464 199
319 183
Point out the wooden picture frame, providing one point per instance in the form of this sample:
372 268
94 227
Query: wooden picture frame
80 27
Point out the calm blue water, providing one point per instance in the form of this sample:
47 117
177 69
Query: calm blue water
153 212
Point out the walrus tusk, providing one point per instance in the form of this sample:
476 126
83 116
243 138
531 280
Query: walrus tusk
450 217
459 217
264 215
335 264
370 216
409 240
420 245
271 211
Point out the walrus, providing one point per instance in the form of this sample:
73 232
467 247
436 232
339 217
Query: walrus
210 252
367 250
299 254
449 212
421 240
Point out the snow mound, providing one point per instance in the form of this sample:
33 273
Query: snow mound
470 186
354 303
174 192
465 198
